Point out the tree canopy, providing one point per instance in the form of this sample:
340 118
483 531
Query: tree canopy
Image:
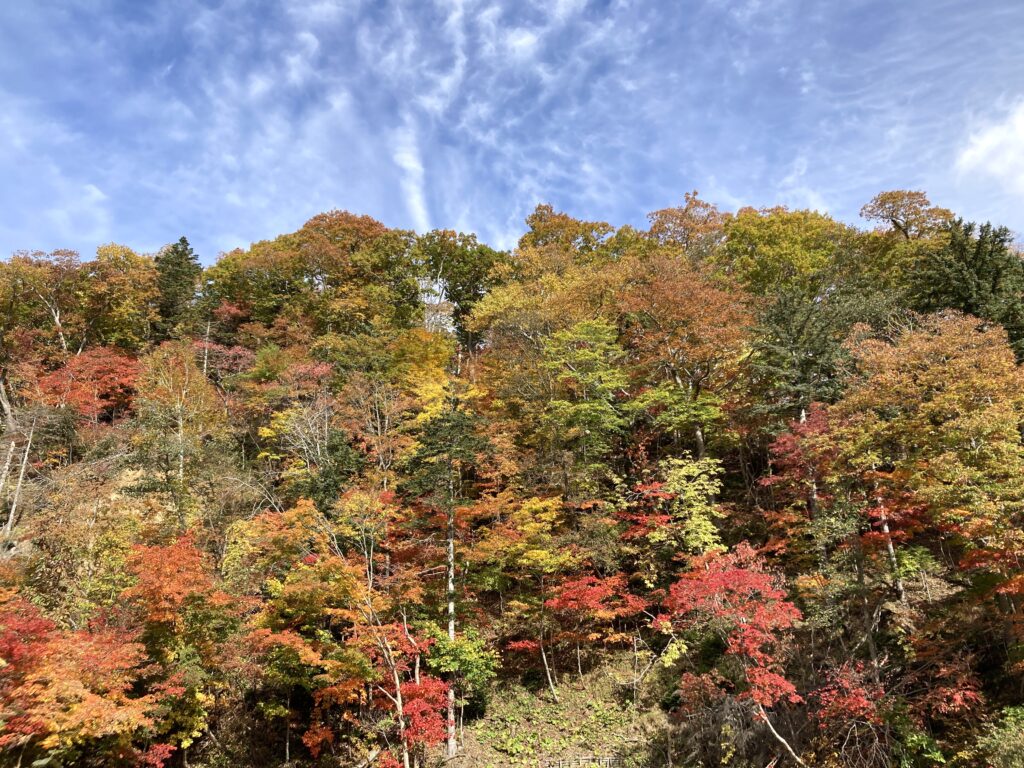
324 501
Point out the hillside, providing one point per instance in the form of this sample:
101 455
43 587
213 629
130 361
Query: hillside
738 489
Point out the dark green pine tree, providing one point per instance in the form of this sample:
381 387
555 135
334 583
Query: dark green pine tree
178 274
978 271
799 355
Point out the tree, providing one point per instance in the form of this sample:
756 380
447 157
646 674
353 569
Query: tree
697 227
1003 742
185 621
462 270
976 271
776 248
910 213
97 384
467 662
84 525
549 227
848 710
798 355
375 410
50 284
443 470
914 471
120 298
69 696
936 414
583 416
524 554
689 332
734 598
179 412
673 514
309 639
588 608
340 275
177 281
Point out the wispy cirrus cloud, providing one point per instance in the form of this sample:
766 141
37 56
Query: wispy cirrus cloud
234 121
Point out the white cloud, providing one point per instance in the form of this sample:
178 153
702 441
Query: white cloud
796 192
447 84
564 9
407 157
321 12
300 63
807 80
80 211
259 84
521 43
996 150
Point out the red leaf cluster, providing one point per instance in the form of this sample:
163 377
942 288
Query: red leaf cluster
734 594
98 383
847 696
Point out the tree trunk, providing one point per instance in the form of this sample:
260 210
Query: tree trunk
812 493
890 550
288 729
10 422
206 348
7 468
547 671
400 712
778 737
453 746
181 448
17 488
866 614
60 330
893 562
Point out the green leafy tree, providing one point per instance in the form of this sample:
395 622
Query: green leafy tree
444 471
467 662
180 416
1003 742
582 416
774 248
799 353
462 270
119 298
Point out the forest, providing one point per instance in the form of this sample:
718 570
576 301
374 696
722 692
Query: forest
748 484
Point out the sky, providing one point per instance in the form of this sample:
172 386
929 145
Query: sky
232 121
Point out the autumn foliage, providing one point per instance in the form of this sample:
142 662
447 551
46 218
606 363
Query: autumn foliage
759 473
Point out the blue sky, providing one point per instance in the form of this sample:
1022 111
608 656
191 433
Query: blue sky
236 120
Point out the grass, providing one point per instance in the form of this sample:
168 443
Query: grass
594 716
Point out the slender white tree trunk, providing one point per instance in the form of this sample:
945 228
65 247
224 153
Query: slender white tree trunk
7 468
452 746
547 671
21 479
893 562
206 348
779 738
